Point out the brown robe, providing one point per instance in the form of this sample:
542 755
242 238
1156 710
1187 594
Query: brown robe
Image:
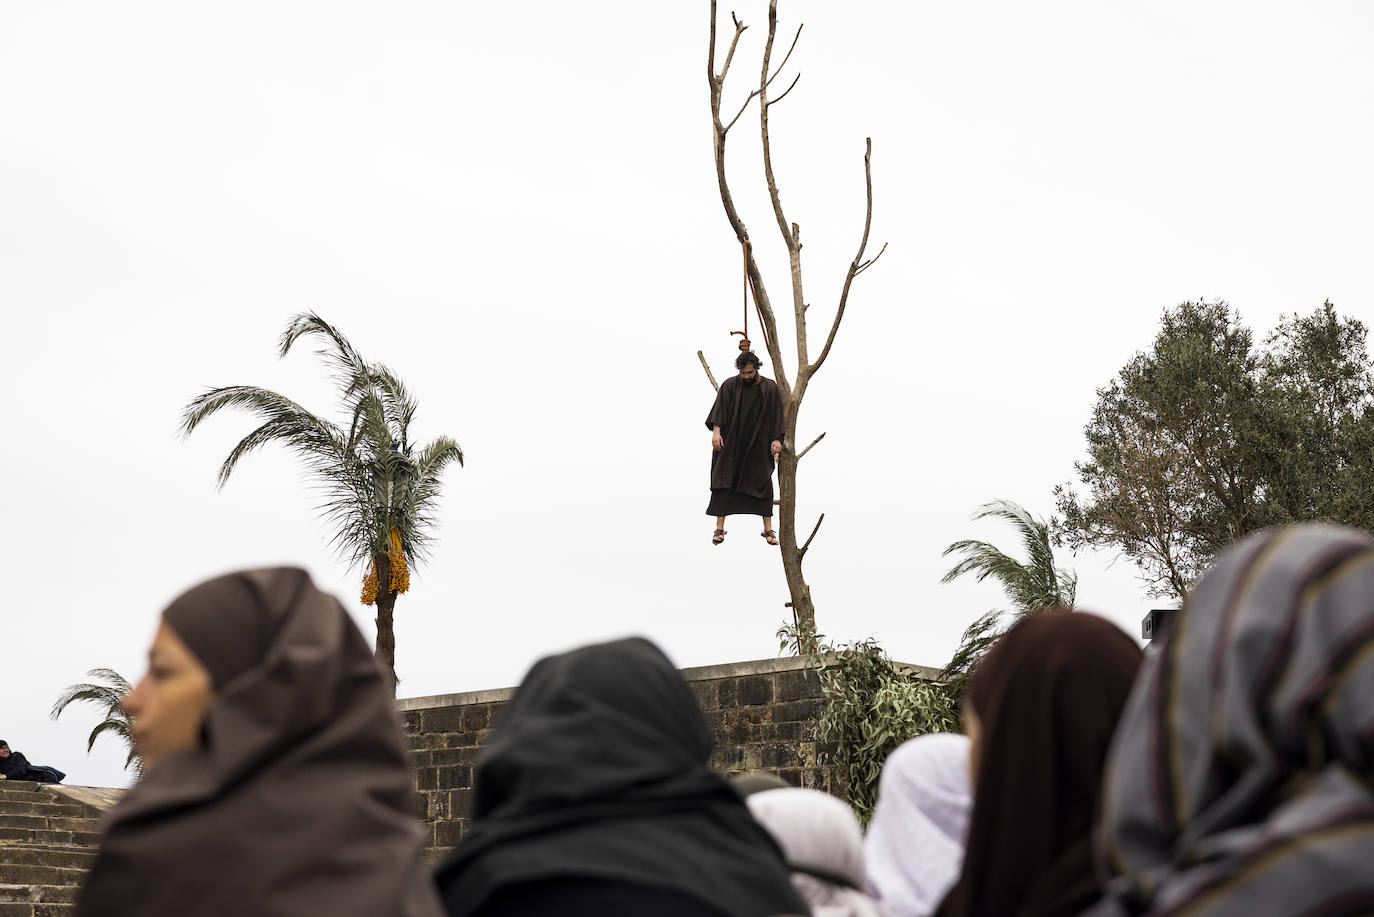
754 475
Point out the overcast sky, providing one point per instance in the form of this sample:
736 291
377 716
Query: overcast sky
515 206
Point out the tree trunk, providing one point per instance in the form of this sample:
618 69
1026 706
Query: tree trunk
802 608
386 633
792 393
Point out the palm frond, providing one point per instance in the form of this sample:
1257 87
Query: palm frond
400 405
122 728
73 694
115 680
346 362
369 482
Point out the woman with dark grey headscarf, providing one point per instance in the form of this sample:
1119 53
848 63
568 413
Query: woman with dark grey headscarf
1240 780
1040 711
275 781
594 796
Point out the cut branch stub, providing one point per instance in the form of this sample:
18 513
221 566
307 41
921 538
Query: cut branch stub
808 448
706 366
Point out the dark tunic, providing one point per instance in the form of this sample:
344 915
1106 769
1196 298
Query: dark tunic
750 418
17 767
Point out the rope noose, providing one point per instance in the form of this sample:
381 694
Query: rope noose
745 247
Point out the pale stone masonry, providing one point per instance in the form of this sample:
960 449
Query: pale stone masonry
47 841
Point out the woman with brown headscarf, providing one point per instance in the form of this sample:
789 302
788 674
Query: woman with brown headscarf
275 781
1040 711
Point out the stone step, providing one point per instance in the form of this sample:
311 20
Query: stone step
27 836
25 909
80 824
24 785
43 823
43 855
24 821
20 874
46 809
35 796
43 894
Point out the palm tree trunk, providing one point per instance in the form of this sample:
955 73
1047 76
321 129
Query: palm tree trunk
386 632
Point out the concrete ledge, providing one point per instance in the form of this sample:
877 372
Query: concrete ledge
97 797
692 674
461 699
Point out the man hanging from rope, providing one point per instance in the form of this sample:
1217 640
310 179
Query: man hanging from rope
746 434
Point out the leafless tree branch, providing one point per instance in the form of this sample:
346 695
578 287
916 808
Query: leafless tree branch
706 366
808 448
858 265
761 299
871 261
752 95
786 57
802 552
785 91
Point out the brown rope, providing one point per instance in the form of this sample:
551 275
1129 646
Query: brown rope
745 247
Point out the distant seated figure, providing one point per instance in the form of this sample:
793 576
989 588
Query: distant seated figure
14 766
275 780
595 796
823 843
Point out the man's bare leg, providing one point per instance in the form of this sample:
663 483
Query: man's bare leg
769 535
719 535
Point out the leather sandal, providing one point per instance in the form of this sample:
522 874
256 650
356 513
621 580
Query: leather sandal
718 537
769 536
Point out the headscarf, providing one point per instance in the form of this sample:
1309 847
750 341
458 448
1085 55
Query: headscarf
915 842
1239 782
1048 695
823 844
297 800
598 768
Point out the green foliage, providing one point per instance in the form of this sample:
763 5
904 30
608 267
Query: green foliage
870 706
372 477
1036 583
1205 438
106 694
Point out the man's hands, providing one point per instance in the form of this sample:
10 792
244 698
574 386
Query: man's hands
718 443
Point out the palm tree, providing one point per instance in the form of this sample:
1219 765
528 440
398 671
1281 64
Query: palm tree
379 490
1037 583
108 698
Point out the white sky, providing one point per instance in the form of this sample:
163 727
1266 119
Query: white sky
515 206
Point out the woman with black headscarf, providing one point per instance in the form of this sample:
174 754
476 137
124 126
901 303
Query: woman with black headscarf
594 796
1040 711
275 781
1241 781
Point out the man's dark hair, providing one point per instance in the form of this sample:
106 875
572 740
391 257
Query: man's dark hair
746 358
4 744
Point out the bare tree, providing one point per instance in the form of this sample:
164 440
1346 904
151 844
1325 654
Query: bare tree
792 390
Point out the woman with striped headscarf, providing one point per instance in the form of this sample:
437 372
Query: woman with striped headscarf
1239 781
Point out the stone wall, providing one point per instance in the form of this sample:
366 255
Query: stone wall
761 715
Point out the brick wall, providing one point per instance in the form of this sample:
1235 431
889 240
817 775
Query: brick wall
761 715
